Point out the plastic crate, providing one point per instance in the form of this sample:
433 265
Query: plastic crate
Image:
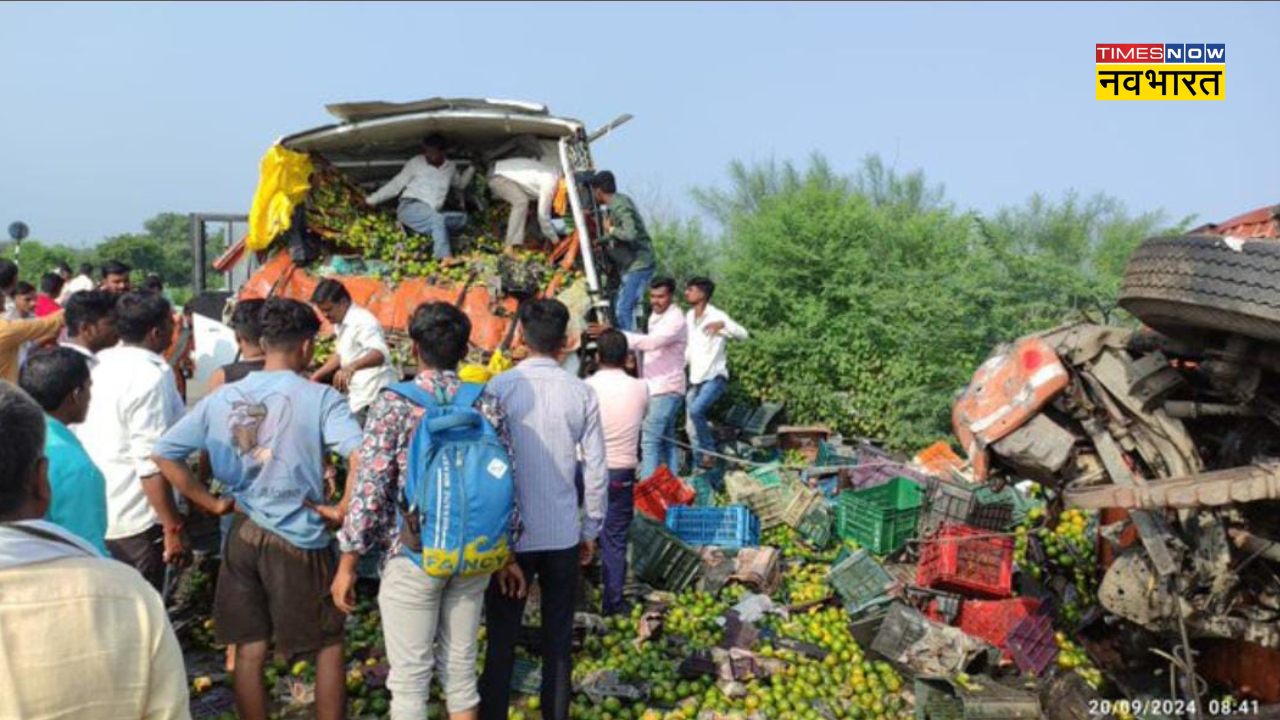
739 484
1031 643
1021 504
993 701
936 701
878 472
901 627
965 559
768 504
660 491
526 677
728 527
881 518
861 582
768 475
993 620
659 559
803 499
815 527
830 455
705 494
762 419
952 503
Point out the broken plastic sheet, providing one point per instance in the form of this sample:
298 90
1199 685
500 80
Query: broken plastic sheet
283 181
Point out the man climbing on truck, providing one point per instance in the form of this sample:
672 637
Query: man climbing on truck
422 186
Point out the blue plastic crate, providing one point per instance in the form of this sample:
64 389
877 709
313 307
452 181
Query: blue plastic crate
728 527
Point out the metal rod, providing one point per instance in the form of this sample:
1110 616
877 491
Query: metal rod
580 221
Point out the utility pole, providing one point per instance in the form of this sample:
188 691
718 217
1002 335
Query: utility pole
18 232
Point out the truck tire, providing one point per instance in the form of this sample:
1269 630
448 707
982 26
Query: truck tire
1200 284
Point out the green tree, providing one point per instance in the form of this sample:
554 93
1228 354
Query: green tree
684 250
871 300
37 258
143 253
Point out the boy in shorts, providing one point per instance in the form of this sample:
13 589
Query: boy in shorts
266 437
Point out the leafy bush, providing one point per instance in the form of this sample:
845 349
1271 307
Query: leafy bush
871 301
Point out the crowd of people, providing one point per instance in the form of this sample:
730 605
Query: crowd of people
469 493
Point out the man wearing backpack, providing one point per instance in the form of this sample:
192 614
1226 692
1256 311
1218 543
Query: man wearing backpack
432 590
266 437
552 416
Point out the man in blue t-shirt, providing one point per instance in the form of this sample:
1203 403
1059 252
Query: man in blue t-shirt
266 437
58 379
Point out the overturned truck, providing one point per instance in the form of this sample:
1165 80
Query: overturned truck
310 219
1172 433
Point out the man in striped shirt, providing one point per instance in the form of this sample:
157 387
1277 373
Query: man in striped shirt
551 416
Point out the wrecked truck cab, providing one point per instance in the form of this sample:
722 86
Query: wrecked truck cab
1172 431
1006 393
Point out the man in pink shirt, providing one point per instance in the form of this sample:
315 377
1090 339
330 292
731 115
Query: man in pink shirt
663 371
623 401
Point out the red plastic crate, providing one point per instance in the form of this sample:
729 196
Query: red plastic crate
660 491
993 620
968 560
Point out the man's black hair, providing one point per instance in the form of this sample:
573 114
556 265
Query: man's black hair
23 288
662 281
138 313
441 333
434 140
246 320
50 376
705 284
51 284
8 274
288 323
154 283
545 322
86 308
330 291
605 182
613 348
23 445
62 267
86 269
115 267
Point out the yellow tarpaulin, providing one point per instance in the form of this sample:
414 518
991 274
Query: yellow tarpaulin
282 183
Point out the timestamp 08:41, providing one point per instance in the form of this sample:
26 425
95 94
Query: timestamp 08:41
1217 707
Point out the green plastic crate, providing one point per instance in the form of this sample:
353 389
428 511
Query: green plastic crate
1022 505
830 456
815 526
706 494
936 701
659 558
860 581
881 518
768 475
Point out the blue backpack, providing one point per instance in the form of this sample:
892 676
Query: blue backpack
458 497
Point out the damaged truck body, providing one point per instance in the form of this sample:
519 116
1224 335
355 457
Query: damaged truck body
1171 432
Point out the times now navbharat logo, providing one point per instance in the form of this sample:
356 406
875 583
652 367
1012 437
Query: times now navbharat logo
1160 71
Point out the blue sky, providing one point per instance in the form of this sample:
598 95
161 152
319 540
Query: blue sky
110 112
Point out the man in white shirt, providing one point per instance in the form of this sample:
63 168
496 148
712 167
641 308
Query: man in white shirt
710 329
135 400
91 325
79 283
84 636
519 180
423 185
361 363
